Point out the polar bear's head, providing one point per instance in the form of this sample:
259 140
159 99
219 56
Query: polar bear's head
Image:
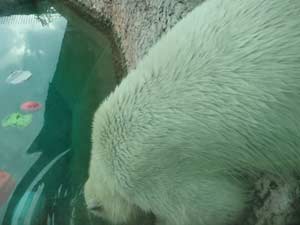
105 203
104 191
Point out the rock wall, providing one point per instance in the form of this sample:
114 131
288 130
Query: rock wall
137 24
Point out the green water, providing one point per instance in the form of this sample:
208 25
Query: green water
72 72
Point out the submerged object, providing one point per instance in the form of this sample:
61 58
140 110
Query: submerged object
31 206
17 120
30 106
7 184
18 76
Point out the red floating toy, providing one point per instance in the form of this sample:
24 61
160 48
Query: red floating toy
7 185
30 106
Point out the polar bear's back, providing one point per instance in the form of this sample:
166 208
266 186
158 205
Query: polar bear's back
220 91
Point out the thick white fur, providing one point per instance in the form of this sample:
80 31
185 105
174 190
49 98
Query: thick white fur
216 99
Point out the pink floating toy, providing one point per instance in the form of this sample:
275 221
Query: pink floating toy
7 185
30 106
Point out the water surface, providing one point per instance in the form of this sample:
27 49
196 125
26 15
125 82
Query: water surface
72 72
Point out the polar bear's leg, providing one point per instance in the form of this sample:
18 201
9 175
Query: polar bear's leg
206 202
160 221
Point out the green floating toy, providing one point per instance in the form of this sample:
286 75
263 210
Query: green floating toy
17 120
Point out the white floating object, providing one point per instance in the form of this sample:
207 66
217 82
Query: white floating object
18 76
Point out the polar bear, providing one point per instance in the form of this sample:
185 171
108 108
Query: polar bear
215 102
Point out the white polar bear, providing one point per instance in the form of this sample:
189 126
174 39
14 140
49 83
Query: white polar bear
215 100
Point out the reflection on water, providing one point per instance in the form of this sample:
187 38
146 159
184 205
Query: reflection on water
72 72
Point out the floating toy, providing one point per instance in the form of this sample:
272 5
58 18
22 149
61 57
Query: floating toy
18 76
17 120
30 106
7 185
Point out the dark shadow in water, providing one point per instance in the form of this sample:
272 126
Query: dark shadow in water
84 77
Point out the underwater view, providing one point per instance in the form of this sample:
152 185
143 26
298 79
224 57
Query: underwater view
55 68
203 129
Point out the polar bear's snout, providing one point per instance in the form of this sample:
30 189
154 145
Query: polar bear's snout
102 201
95 208
92 204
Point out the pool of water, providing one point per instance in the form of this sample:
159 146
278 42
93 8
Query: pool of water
55 59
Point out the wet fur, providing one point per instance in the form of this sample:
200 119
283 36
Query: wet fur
216 99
